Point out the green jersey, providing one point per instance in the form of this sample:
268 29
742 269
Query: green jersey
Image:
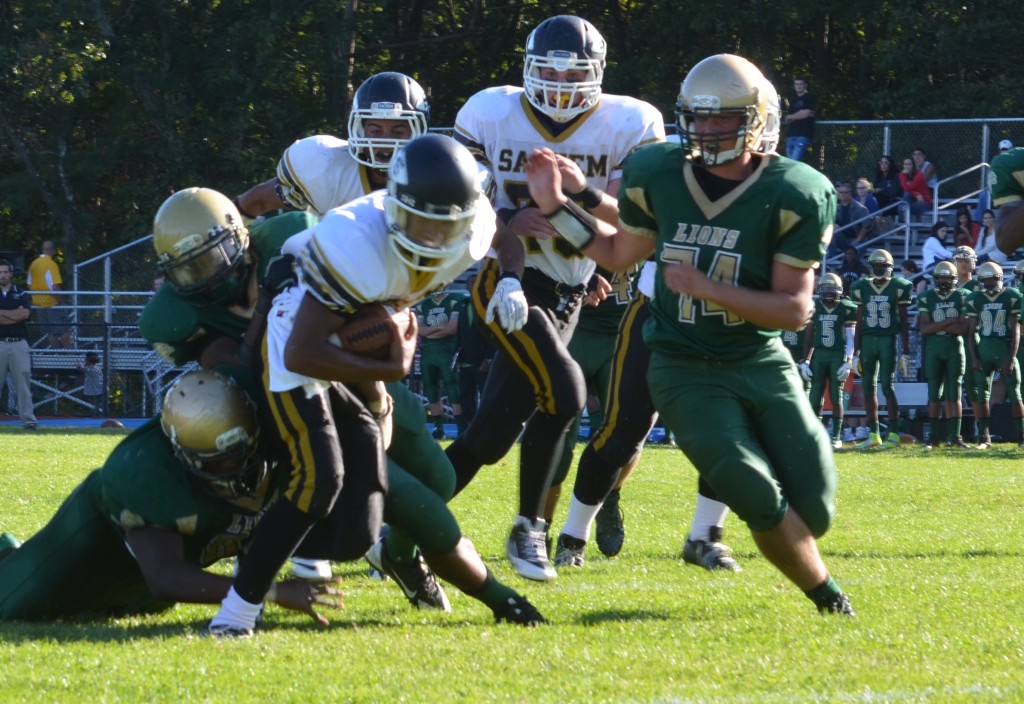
437 314
783 212
829 324
971 286
994 313
939 307
142 484
1006 177
604 318
883 305
179 327
794 342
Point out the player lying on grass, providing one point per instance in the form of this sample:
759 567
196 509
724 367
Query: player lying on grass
178 494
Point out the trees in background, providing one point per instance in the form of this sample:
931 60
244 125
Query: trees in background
108 106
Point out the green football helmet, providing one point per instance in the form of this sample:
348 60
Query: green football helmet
201 244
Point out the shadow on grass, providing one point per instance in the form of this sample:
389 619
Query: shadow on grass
595 618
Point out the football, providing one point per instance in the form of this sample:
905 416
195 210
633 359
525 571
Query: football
366 333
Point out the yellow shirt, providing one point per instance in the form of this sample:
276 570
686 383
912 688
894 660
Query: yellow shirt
43 274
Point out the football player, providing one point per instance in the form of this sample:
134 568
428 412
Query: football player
322 172
882 300
994 315
438 318
828 350
393 247
732 271
179 493
1006 181
208 310
534 382
966 262
941 317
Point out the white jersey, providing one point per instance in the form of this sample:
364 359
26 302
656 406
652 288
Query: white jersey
323 171
346 261
500 128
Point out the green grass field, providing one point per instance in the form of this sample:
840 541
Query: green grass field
928 545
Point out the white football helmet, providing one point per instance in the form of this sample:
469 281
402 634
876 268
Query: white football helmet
727 85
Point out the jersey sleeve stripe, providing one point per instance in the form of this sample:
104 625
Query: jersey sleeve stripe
325 282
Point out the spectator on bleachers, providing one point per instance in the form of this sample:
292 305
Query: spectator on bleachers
934 249
887 182
915 188
925 167
848 211
965 231
864 197
986 248
1005 146
851 269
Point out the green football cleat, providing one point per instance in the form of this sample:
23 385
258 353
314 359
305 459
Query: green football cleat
874 440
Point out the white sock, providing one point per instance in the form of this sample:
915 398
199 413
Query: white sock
236 612
707 514
580 519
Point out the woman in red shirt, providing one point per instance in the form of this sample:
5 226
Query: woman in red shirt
915 189
965 232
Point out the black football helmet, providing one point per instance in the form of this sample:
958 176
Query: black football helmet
385 96
564 43
433 189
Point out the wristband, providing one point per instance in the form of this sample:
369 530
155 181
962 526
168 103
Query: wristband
575 225
590 197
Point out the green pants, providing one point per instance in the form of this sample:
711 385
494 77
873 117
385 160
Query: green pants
993 352
76 565
749 430
436 368
824 368
944 365
878 359
421 481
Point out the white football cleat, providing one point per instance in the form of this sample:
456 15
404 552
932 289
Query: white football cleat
312 570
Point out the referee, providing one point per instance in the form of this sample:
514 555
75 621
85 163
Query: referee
15 309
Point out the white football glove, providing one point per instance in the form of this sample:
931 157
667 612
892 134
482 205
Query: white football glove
855 366
509 305
805 371
904 365
843 372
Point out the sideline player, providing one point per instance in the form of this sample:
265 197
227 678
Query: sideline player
178 494
534 383
389 247
828 350
994 315
966 262
438 318
723 291
882 301
941 316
